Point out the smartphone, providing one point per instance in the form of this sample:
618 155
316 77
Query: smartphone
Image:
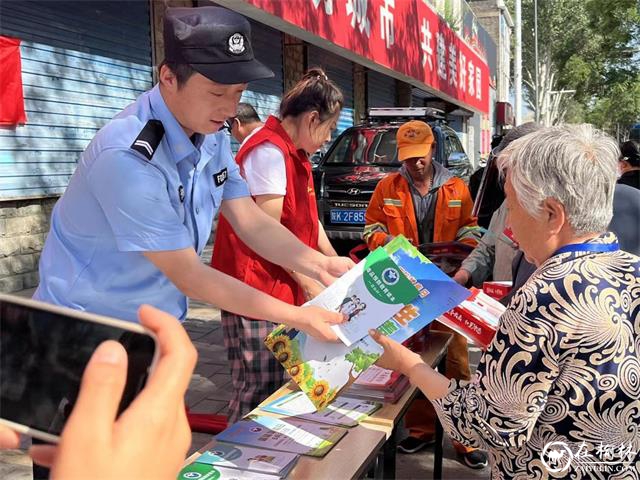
43 352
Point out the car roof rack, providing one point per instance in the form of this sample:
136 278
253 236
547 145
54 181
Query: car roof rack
405 113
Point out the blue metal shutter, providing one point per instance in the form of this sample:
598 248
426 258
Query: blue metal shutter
381 90
82 62
265 95
339 70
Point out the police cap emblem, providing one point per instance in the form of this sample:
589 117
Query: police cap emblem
236 44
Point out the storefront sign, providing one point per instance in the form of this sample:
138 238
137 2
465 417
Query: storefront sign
407 36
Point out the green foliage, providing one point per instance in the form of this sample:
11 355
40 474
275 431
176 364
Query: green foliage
361 360
593 47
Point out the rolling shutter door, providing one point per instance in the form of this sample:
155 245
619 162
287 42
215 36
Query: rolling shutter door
340 71
82 62
381 90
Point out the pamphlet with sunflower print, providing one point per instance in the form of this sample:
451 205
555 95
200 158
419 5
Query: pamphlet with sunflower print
323 369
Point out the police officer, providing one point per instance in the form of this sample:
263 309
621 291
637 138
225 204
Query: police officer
139 208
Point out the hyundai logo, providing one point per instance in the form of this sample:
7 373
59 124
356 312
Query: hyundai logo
353 191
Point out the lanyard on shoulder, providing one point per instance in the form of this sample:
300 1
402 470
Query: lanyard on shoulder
588 247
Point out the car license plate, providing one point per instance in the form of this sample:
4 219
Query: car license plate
347 216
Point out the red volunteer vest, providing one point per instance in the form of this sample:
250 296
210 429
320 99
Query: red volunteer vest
299 215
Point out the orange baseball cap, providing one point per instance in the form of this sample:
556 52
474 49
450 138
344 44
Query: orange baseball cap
414 140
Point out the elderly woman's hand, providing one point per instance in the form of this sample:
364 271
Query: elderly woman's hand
396 356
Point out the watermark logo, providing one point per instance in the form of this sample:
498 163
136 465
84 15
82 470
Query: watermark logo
559 456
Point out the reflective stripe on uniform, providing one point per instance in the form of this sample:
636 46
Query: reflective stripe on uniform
393 201
455 203
373 228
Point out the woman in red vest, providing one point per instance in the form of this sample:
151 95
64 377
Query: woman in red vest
274 160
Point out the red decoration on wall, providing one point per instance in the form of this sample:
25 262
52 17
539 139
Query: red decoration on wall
11 97
407 36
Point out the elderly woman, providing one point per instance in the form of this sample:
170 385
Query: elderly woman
556 395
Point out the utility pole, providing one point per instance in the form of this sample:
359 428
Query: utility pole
537 74
517 64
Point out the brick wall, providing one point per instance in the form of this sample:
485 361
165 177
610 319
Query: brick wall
23 228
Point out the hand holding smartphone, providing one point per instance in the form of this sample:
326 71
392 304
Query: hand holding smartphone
43 351
151 437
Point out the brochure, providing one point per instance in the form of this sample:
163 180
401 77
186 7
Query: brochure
248 458
285 435
477 318
368 294
203 471
344 412
323 369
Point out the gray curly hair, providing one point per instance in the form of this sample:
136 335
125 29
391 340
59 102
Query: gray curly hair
575 164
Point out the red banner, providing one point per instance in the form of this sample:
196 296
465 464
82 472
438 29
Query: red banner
11 98
404 35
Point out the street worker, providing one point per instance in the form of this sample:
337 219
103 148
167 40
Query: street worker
139 208
425 203
275 163
244 122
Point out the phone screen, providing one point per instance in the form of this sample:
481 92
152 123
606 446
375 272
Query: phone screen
43 355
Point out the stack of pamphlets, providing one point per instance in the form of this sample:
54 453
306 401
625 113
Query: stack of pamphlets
378 383
285 435
476 318
395 290
344 412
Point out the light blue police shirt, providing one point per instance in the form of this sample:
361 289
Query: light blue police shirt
119 204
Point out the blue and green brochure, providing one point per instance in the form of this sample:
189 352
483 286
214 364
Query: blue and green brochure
322 370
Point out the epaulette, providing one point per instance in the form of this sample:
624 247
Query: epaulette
150 137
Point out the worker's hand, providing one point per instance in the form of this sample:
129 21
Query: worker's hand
396 356
151 437
316 321
462 277
8 438
331 268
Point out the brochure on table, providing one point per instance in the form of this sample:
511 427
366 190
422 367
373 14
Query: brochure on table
203 471
344 412
286 435
248 458
323 369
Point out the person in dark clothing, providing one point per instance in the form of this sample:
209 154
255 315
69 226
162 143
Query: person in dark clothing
630 164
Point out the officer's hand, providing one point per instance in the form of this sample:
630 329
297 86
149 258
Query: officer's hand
316 321
151 437
332 268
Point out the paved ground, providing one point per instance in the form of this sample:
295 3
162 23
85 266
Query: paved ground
209 392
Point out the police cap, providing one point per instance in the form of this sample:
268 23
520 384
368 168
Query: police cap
216 42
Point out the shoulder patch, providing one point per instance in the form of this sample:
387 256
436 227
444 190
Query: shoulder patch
149 138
